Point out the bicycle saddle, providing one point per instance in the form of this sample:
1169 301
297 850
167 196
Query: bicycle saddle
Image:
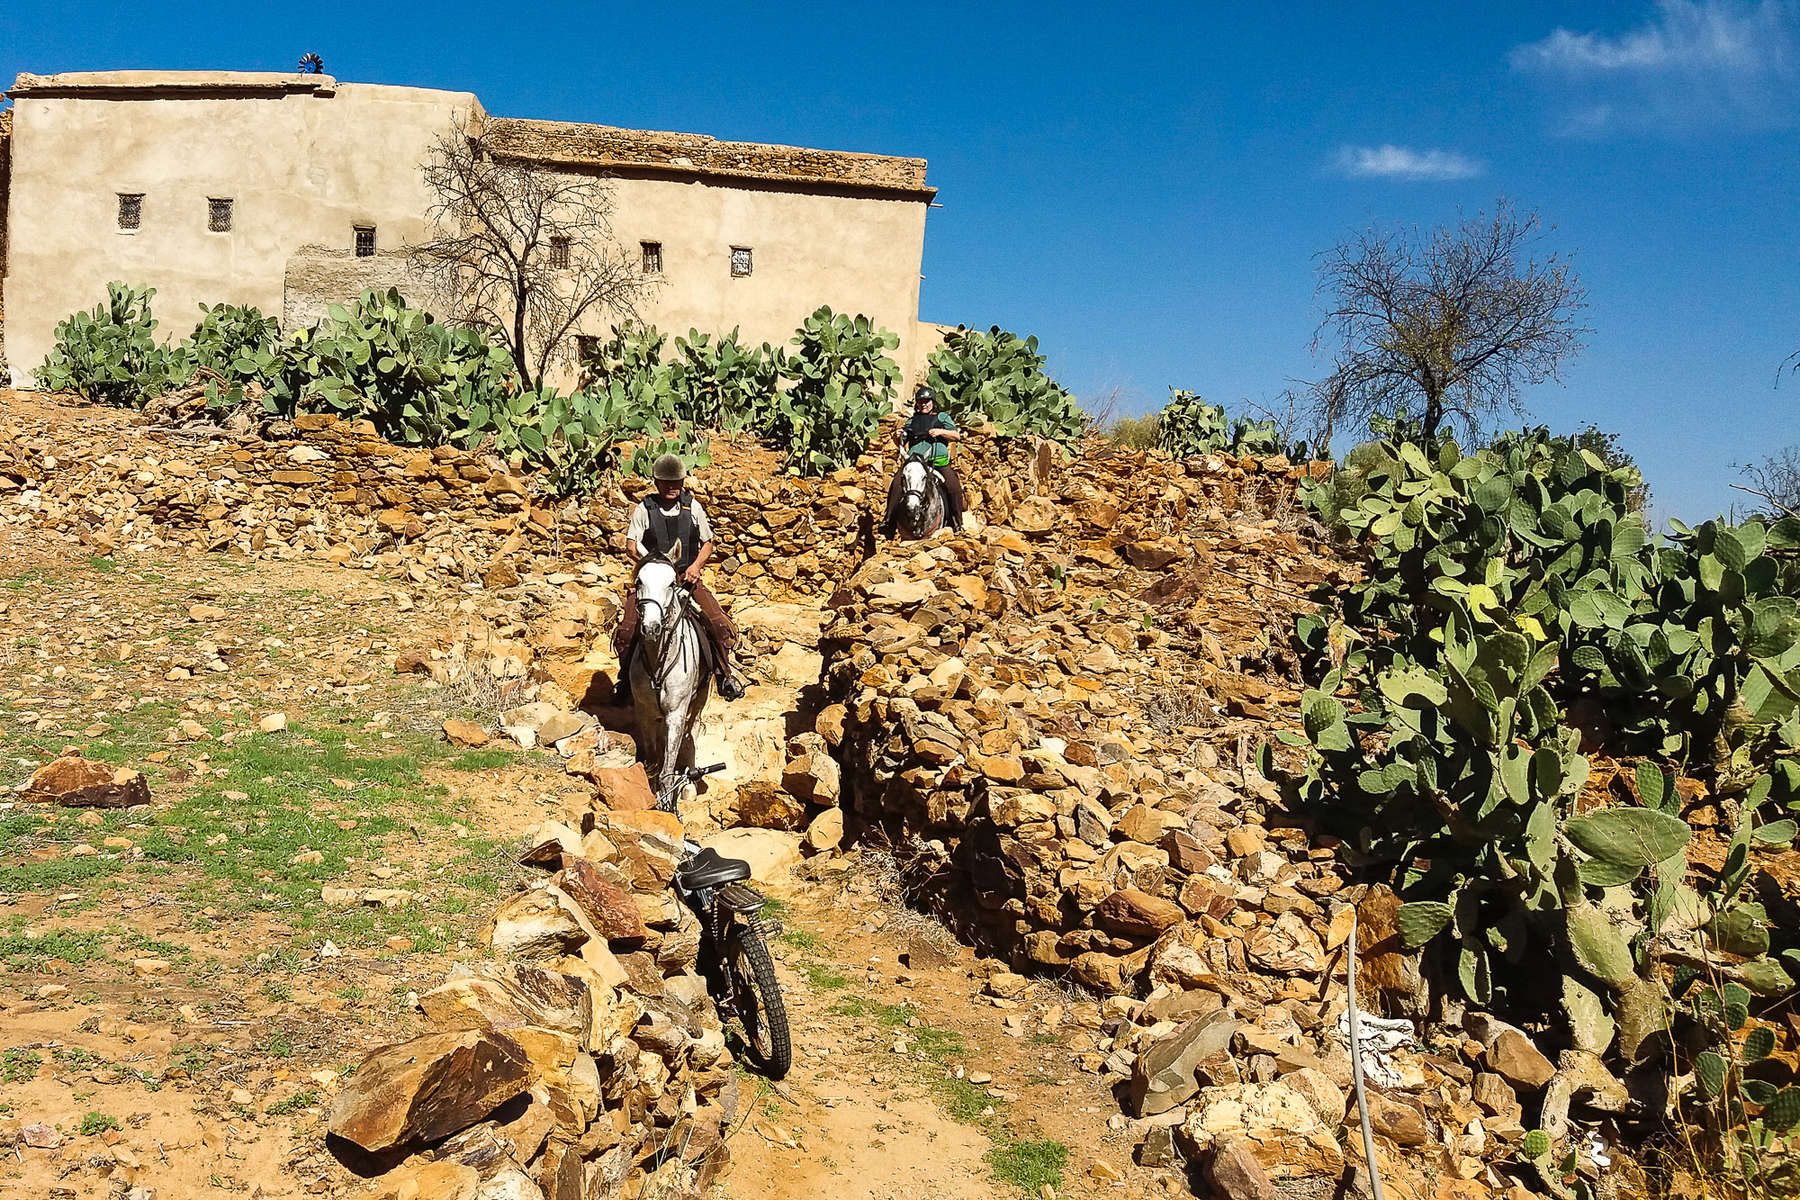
710 869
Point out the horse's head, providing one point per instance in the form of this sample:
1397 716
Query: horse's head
657 599
915 482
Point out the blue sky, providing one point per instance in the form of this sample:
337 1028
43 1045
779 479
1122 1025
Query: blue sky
1146 190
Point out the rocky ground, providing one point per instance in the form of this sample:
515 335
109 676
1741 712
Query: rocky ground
322 765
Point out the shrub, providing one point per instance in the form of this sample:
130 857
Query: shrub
1000 377
1134 433
418 381
840 382
111 354
239 345
1509 595
720 383
1188 426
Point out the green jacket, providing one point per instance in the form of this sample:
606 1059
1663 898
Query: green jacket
920 442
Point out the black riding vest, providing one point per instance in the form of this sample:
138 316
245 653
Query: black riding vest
674 539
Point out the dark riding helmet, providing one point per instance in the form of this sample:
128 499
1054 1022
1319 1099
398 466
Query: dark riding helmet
924 393
668 469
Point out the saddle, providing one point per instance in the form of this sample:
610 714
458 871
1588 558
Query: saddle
710 869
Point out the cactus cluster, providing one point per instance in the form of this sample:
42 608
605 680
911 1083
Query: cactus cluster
821 403
421 382
1188 426
111 354
1000 377
1510 597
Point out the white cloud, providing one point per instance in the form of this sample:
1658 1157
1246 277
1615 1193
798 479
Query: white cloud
1692 63
1401 162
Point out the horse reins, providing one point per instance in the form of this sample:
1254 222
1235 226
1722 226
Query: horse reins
665 666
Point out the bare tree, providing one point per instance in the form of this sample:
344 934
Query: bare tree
521 249
1447 329
1775 480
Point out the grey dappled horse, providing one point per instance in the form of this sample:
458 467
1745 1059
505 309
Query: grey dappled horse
921 499
669 679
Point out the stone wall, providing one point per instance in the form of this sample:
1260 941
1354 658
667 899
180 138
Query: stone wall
605 146
1058 709
316 277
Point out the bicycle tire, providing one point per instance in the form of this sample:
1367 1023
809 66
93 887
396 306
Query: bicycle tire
760 1009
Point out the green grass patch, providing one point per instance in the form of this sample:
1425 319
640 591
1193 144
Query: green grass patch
19 1065
824 978
1028 1166
279 1045
938 1044
96 1123
861 1008
801 939
964 1101
298 1102
105 566
29 952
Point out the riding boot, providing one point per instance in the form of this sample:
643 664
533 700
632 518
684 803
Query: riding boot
622 689
730 687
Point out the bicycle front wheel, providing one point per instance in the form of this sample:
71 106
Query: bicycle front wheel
759 1006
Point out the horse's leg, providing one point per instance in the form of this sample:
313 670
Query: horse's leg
651 732
689 688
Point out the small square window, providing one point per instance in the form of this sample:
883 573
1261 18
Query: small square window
131 210
740 260
365 241
218 216
559 252
652 257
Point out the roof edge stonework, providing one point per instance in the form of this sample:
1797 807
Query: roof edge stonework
608 147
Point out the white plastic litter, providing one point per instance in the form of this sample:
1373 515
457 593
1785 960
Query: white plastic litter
1381 1037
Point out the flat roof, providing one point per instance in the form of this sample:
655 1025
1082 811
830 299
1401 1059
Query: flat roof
170 81
569 143
557 143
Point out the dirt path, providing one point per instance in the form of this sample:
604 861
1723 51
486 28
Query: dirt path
908 1082
178 1001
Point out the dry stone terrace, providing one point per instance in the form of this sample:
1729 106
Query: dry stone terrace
1051 720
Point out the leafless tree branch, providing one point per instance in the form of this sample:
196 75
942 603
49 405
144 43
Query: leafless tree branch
1448 328
521 249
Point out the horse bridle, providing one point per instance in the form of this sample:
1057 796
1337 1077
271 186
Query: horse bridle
906 489
665 666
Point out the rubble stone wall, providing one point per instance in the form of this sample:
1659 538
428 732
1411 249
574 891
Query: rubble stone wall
1052 719
328 488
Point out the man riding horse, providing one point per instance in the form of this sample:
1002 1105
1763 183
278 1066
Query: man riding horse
926 436
669 525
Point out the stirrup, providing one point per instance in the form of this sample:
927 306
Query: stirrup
729 687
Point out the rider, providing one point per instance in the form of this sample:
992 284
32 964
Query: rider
927 434
669 524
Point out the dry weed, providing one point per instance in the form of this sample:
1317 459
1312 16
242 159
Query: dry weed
473 690
1171 710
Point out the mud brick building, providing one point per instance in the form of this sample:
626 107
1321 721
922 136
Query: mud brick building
291 192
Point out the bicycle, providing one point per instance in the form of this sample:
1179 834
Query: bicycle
732 925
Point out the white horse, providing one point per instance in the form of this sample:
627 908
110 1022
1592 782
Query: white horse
921 499
669 679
